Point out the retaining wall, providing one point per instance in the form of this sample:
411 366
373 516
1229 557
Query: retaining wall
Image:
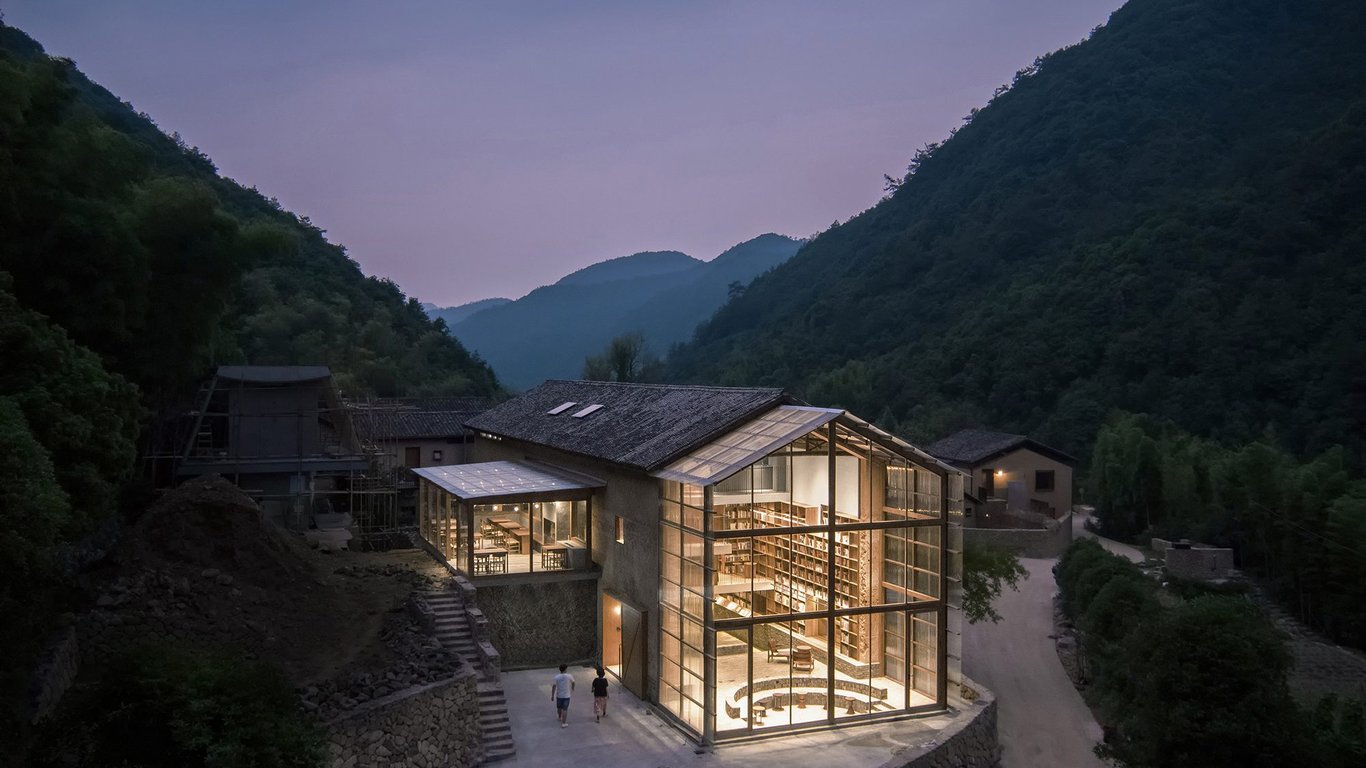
428 726
61 662
1046 542
969 741
542 624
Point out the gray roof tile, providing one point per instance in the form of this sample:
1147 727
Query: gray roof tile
639 425
969 446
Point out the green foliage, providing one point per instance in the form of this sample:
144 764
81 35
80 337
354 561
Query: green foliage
84 418
1201 683
130 241
182 709
625 359
1340 731
986 571
1298 525
1204 687
1166 218
67 431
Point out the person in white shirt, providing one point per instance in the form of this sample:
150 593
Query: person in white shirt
560 690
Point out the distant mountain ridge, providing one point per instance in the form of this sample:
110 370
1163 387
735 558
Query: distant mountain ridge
662 294
453 315
643 264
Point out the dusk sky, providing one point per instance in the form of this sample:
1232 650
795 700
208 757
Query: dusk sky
470 150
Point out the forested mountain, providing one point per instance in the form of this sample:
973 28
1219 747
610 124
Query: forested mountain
453 315
662 295
1169 217
132 243
127 268
645 264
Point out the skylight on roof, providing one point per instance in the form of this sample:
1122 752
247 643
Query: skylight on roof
561 408
586 411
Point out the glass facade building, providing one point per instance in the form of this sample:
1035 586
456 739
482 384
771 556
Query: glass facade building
809 575
506 517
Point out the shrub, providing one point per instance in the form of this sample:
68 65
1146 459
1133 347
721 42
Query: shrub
181 708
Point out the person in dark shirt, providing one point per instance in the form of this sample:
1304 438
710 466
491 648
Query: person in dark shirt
600 696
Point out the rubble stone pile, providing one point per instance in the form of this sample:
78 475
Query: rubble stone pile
413 658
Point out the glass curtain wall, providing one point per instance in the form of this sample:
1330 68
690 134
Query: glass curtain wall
512 537
682 640
819 597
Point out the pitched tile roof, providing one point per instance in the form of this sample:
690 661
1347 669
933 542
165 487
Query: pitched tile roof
639 425
970 446
273 374
408 419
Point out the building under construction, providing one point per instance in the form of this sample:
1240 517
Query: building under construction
284 435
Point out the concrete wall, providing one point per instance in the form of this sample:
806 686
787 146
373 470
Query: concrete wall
429 726
451 452
1020 465
629 570
1200 563
542 624
1026 542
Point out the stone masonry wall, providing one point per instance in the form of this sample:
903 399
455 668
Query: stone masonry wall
1026 542
968 742
61 662
427 726
542 624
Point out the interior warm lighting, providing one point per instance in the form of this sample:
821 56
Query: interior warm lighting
616 609
1000 473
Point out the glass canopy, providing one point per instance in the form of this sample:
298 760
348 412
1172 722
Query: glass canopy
746 444
498 479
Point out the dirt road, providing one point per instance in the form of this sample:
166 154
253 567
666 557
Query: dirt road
1043 722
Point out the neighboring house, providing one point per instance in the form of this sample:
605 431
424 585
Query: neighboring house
418 432
280 433
1012 473
749 563
408 433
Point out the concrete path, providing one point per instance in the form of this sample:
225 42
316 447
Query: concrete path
631 737
1042 720
1123 550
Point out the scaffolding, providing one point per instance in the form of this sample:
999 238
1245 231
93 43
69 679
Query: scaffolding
290 443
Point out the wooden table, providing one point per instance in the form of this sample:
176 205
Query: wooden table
554 556
489 560
520 534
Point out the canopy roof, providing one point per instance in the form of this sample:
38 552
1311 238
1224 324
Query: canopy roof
506 479
746 444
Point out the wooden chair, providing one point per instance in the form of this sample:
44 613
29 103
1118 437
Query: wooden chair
802 660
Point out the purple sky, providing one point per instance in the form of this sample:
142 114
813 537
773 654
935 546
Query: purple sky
469 150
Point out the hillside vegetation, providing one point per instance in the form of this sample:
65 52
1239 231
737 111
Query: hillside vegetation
127 268
660 295
1166 218
131 242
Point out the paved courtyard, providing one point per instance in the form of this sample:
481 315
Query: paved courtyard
631 737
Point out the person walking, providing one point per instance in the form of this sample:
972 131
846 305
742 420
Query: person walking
600 695
560 690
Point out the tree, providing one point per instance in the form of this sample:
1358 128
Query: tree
986 571
1205 687
625 359
182 708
